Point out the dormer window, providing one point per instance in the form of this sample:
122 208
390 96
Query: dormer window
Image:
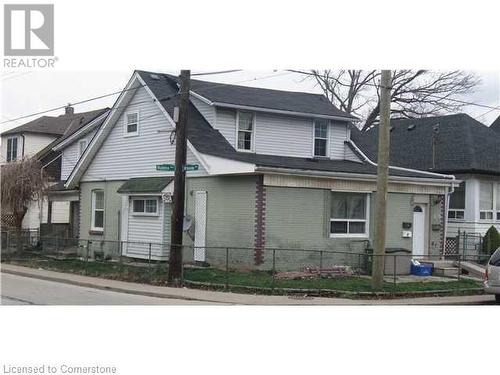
131 124
245 131
320 138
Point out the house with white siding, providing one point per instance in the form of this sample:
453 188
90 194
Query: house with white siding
37 139
269 169
453 144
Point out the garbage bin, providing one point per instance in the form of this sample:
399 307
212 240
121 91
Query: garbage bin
400 256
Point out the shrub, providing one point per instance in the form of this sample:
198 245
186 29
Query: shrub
491 240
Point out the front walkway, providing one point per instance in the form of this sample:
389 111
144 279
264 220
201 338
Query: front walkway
224 297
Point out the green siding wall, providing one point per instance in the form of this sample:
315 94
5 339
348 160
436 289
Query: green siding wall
112 207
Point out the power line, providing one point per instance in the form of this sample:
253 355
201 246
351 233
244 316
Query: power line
134 88
219 72
492 108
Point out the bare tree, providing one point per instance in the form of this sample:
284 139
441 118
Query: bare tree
415 93
22 182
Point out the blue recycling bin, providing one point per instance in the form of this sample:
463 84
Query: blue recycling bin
421 269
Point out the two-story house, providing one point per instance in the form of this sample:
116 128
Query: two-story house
269 169
453 144
36 139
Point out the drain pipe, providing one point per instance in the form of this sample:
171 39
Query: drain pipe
450 190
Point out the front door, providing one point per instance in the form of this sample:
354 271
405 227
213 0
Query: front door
200 225
419 231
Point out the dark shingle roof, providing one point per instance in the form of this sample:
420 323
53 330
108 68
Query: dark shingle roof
315 104
57 125
463 144
75 126
210 141
145 185
496 125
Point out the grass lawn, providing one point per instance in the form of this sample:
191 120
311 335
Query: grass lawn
156 274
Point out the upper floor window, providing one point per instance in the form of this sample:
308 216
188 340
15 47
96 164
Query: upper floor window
349 215
12 149
245 130
131 123
145 206
457 203
320 138
97 222
82 145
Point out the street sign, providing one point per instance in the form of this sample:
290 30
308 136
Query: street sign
171 167
165 167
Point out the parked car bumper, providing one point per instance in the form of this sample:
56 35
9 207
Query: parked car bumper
491 289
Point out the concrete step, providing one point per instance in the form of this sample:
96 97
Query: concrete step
473 269
445 271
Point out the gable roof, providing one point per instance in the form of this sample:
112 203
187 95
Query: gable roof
463 144
288 101
207 141
496 125
56 125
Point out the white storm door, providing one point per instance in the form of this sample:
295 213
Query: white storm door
200 225
419 231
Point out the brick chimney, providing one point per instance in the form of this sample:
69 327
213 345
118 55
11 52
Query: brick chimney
69 110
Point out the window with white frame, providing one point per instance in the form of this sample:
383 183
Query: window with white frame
145 206
11 149
349 212
82 145
320 138
486 200
245 130
97 210
131 123
456 210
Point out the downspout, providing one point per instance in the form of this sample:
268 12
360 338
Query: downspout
450 190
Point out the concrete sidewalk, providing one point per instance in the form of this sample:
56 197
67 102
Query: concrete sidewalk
224 297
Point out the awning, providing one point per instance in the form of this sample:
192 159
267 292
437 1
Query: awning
145 185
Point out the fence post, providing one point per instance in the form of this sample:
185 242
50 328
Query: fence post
459 267
87 257
319 271
394 269
227 268
274 270
121 259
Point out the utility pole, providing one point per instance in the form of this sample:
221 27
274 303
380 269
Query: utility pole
382 181
175 257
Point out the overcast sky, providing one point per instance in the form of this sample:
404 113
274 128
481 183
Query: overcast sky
25 93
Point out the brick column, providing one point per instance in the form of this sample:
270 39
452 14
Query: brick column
260 221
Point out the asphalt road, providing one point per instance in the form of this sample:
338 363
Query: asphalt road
19 290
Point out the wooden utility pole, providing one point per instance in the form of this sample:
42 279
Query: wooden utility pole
175 257
382 181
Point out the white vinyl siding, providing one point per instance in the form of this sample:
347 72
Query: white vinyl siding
207 110
226 124
284 135
145 230
121 158
70 155
339 133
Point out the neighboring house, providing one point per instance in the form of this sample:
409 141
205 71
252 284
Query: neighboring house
276 169
35 139
496 125
454 144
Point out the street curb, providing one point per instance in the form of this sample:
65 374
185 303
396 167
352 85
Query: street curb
109 288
